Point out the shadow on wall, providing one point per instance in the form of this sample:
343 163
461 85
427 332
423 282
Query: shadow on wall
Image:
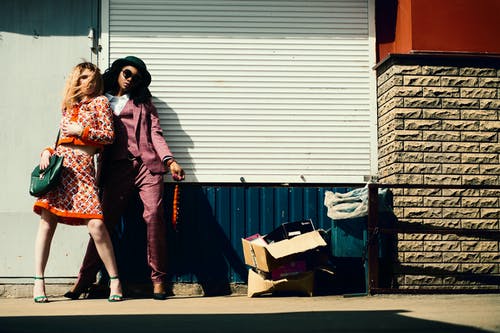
469 277
172 127
199 245
42 18
466 277
340 321
198 249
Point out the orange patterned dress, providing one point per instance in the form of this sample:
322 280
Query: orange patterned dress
76 199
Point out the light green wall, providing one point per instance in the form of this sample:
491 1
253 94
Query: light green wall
40 41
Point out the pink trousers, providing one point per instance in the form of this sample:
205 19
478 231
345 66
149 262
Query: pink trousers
119 180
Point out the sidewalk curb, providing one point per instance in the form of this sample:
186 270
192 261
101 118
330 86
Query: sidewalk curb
25 290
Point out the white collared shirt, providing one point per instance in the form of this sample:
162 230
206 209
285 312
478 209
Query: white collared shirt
117 103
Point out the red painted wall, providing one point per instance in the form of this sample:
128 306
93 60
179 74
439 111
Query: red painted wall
393 27
405 26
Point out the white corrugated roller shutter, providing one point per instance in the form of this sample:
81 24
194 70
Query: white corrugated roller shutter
267 90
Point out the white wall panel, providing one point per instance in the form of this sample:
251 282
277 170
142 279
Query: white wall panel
272 91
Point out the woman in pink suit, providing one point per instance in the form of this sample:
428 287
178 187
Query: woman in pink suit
136 161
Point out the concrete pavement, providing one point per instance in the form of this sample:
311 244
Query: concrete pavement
380 313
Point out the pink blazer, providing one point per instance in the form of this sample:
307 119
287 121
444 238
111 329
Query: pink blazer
148 135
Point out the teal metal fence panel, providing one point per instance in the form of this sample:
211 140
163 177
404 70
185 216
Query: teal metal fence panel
206 247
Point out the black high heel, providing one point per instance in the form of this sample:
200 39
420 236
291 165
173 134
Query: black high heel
74 295
159 292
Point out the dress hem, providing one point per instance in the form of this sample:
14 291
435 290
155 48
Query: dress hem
65 216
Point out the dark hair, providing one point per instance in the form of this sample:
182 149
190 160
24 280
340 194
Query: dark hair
139 92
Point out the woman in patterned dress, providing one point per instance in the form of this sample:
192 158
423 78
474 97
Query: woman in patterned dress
86 126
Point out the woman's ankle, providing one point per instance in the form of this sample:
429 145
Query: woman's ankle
39 286
115 285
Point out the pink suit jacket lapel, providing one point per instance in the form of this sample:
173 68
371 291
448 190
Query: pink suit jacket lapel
136 117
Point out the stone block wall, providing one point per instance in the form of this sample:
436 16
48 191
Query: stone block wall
438 123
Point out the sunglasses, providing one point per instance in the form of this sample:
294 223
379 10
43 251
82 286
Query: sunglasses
128 74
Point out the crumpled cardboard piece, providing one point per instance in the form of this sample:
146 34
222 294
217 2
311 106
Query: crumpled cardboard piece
302 283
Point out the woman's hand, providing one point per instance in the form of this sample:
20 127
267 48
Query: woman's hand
71 129
176 171
45 159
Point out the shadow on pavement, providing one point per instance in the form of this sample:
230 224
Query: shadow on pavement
338 321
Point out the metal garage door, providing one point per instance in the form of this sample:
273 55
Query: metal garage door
257 90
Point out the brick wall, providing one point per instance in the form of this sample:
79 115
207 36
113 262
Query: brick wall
438 123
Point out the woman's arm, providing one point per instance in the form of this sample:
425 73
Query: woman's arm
101 131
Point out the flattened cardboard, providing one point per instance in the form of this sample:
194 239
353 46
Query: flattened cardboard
302 283
273 255
298 244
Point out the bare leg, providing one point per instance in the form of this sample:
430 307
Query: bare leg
46 230
100 235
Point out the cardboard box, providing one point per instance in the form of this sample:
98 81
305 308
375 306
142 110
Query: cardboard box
302 283
266 257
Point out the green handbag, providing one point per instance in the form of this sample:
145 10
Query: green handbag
42 181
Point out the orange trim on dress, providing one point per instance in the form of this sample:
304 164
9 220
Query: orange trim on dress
76 110
50 149
85 133
64 214
80 142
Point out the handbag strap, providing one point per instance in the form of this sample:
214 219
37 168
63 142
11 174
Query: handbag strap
57 139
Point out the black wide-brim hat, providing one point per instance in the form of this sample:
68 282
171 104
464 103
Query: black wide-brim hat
137 63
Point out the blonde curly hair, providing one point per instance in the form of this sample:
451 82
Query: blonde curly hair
73 92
